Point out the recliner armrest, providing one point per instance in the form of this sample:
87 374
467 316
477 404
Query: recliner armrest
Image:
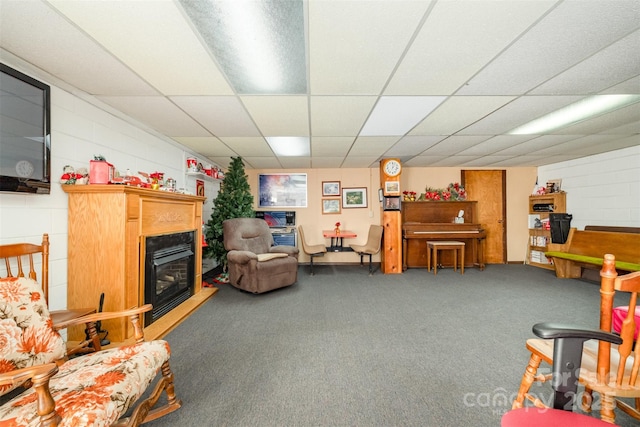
241 257
284 249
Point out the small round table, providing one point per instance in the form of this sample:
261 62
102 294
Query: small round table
437 245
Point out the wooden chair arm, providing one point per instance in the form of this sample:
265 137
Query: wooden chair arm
39 377
105 315
22 375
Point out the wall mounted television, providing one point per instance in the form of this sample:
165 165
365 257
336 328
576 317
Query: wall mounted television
25 133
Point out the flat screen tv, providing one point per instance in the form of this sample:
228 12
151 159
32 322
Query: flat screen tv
25 133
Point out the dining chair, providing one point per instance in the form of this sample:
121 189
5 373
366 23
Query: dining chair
313 250
371 247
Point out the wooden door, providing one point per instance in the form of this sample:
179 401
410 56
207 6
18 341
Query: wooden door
488 187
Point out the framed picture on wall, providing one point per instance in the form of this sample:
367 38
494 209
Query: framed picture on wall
330 206
391 203
354 197
392 187
331 188
282 190
199 187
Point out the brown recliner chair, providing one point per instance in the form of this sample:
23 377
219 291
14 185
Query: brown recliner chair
255 264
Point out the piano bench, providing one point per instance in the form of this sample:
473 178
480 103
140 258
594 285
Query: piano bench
437 245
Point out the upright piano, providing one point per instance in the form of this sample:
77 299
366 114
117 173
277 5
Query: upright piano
435 220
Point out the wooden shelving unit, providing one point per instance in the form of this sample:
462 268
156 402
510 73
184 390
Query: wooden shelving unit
539 238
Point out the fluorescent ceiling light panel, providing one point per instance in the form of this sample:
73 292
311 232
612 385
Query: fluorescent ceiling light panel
288 146
397 115
260 45
577 112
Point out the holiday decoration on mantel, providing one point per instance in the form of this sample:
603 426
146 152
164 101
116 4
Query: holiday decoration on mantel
454 192
70 176
409 196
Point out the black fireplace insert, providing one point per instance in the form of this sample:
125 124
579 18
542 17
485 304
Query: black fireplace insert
169 272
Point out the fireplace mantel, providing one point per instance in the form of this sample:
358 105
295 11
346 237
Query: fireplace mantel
107 227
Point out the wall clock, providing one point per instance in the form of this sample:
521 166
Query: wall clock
390 170
392 167
24 168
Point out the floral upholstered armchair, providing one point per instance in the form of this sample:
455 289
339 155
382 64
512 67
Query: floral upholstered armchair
96 389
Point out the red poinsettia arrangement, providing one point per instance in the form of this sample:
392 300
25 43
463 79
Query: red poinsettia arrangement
156 176
454 192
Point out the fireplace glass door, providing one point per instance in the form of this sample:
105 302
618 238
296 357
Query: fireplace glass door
169 272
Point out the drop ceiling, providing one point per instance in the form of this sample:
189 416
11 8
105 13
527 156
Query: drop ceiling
435 83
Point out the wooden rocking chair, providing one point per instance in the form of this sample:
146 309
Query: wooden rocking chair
15 255
97 389
602 367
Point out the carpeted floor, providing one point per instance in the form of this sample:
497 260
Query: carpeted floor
342 348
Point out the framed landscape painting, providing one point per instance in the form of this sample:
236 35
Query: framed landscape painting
330 206
331 188
354 197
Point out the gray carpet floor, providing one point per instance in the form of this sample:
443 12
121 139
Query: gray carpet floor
341 348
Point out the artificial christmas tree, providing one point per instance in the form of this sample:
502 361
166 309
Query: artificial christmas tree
233 201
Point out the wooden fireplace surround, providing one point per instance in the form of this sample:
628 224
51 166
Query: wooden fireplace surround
107 230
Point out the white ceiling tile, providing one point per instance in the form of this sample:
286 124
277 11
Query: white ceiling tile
518 112
322 146
631 86
158 112
221 115
56 47
617 144
248 146
164 51
614 119
372 145
528 160
208 146
397 115
454 161
577 145
262 162
453 145
487 161
458 112
612 65
495 144
423 161
570 33
535 144
457 40
360 161
326 162
412 145
355 45
339 115
628 129
279 115
301 162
